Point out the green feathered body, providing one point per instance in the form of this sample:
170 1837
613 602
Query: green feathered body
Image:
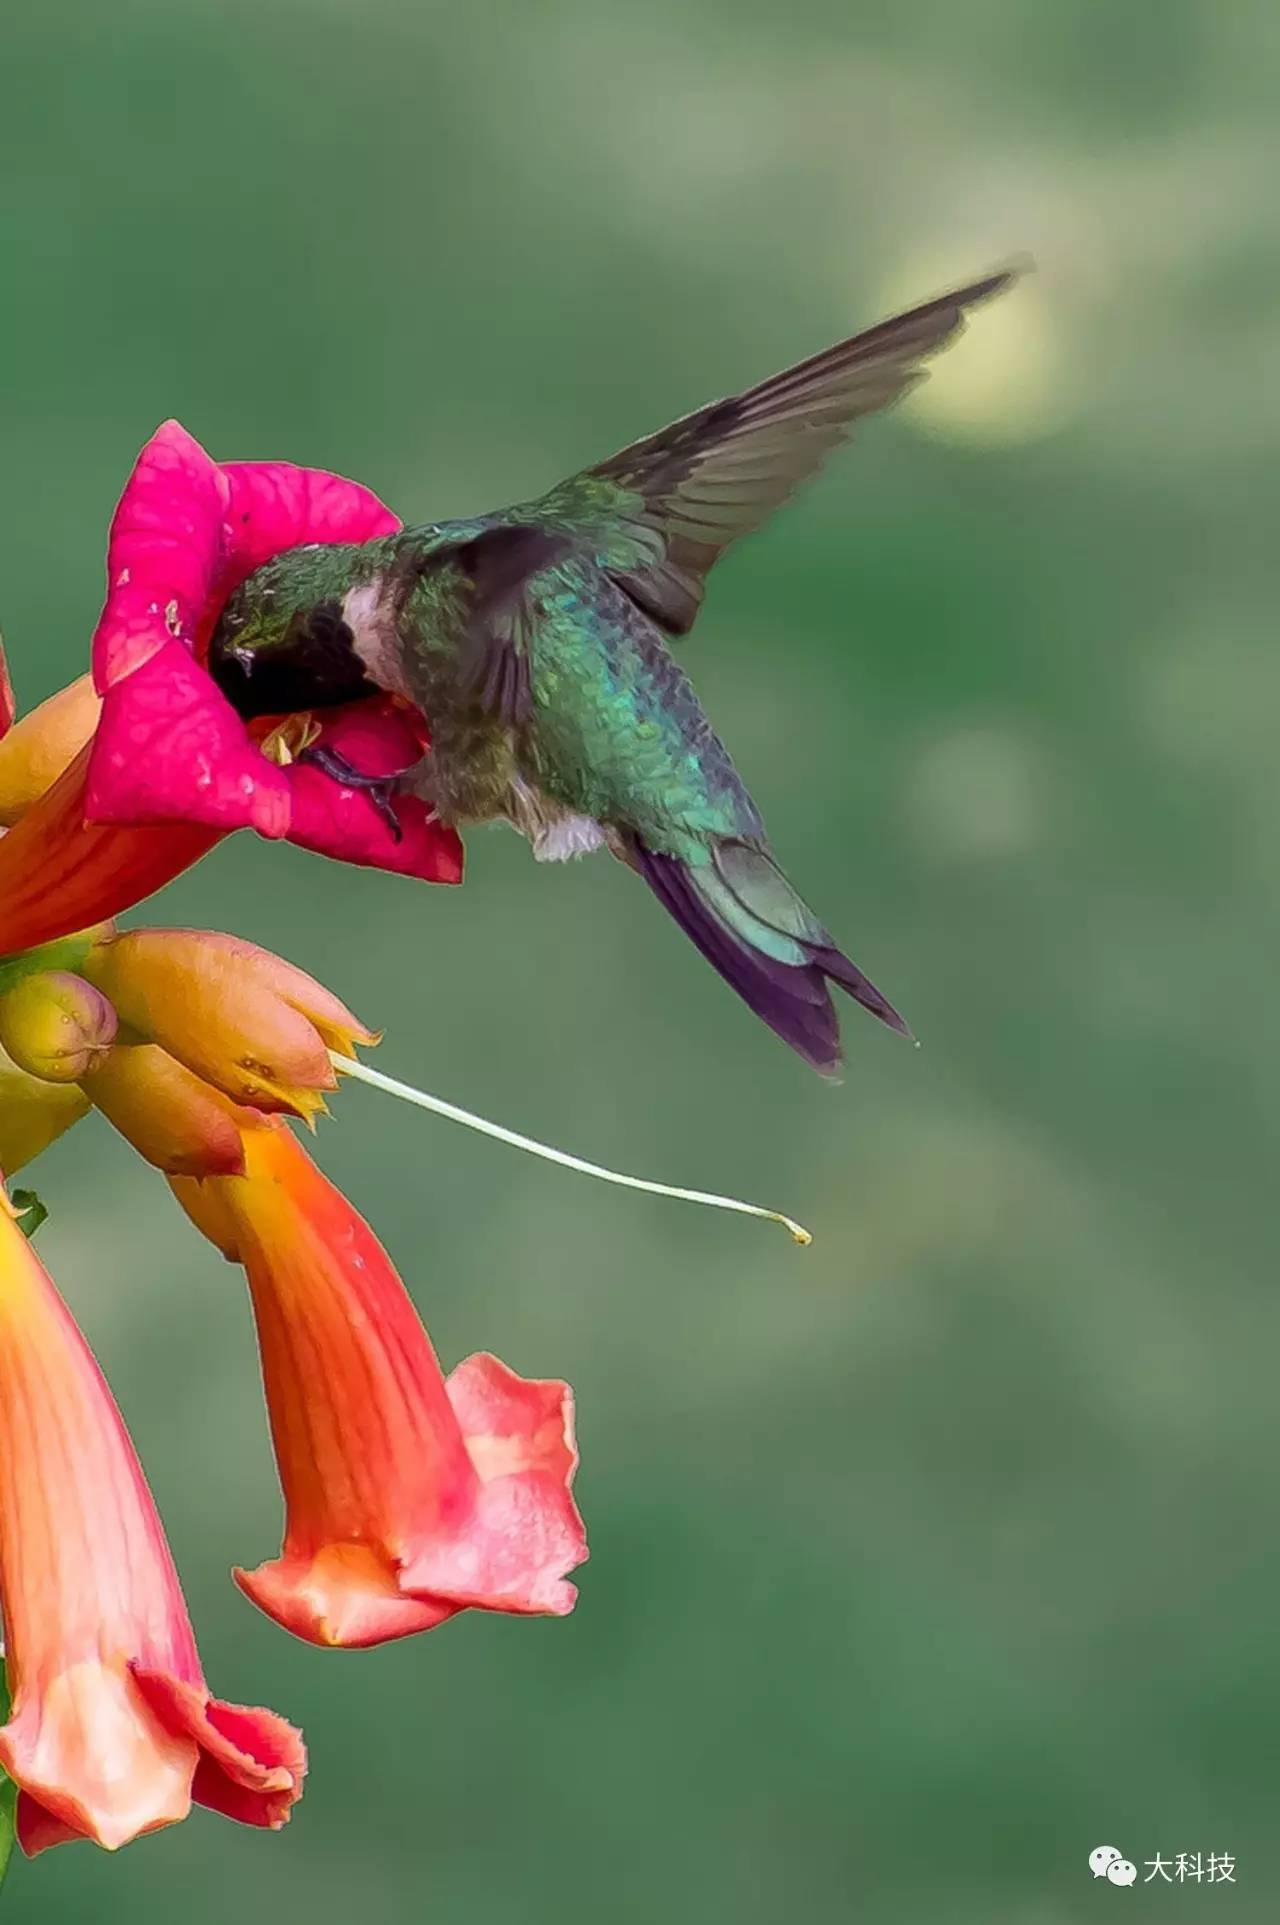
613 730
536 644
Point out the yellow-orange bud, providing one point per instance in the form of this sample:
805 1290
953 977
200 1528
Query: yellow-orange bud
55 1025
172 1118
241 1018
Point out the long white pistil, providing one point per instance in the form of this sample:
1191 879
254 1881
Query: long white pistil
348 1066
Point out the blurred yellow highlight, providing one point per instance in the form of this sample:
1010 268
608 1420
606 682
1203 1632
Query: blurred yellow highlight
1004 379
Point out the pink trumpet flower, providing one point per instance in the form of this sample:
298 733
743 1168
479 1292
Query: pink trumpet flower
153 764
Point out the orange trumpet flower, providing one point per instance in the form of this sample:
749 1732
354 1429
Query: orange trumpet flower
113 1731
408 1497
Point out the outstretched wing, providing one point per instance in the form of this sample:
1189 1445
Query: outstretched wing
680 497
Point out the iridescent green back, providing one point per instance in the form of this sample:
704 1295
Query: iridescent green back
617 731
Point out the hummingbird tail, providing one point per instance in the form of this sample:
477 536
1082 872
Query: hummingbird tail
750 924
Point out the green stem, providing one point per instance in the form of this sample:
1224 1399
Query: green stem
67 952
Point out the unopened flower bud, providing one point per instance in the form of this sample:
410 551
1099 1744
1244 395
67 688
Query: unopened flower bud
173 1119
239 1017
55 1025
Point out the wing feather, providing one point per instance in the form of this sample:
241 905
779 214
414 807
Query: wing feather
685 493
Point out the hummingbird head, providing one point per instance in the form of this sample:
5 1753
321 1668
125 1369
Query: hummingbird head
270 656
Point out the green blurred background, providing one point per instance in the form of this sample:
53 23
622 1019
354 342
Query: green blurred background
929 1560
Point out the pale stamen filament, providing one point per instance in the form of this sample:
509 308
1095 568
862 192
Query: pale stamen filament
348 1066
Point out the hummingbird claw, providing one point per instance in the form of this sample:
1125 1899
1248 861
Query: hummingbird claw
380 789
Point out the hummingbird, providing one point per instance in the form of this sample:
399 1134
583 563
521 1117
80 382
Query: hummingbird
535 641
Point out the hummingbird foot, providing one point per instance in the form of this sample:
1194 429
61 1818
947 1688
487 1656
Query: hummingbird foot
380 789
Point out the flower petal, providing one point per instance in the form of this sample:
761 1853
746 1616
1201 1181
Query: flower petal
59 872
8 707
337 821
37 1828
163 556
187 531
252 1763
38 748
177 1121
170 747
524 1531
273 505
89 1752
346 1596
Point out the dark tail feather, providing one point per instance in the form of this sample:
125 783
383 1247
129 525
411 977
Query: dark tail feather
742 883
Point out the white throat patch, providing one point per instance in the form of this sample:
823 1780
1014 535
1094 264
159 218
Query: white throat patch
370 615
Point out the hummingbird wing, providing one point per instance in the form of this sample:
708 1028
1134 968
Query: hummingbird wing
667 507
498 560
500 564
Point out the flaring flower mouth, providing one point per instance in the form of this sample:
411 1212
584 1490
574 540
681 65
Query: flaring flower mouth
169 755
169 746
113 1730
408 1497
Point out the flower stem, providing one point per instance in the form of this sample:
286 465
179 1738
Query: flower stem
437 1105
